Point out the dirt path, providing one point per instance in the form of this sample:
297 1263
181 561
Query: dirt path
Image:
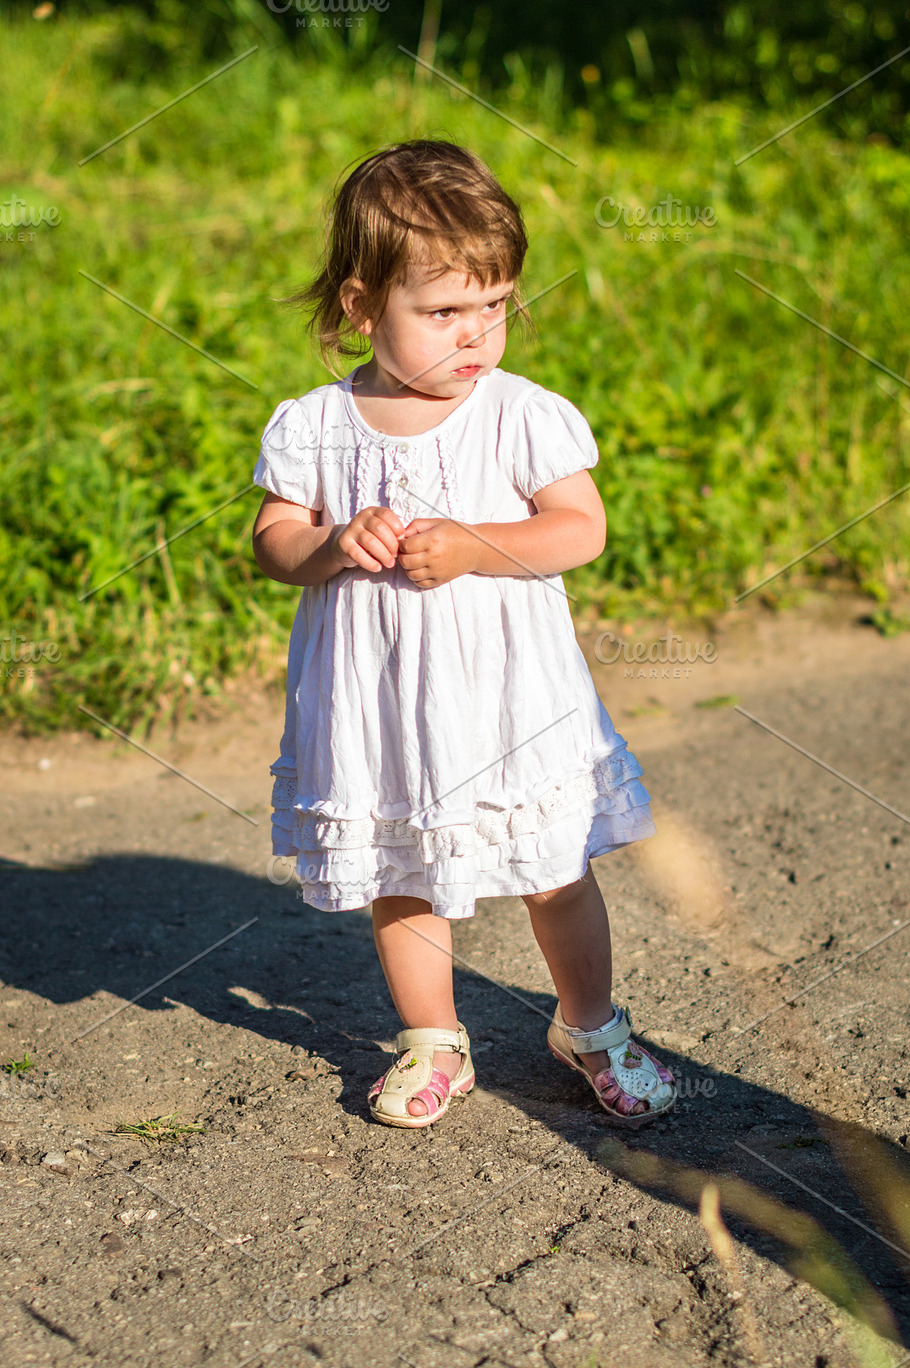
296 1231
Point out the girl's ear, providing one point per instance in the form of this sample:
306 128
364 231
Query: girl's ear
353 296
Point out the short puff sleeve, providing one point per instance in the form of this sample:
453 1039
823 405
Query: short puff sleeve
553 441
288 462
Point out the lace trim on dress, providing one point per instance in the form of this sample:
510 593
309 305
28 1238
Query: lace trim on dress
380 465
491 826
364 456
448 469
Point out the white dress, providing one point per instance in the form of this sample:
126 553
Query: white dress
443 743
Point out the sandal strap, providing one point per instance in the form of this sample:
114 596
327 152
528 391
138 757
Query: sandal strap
423 1038
435 1092
605 1039
616 1097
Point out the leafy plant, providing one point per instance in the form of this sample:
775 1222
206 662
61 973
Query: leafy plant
17 1066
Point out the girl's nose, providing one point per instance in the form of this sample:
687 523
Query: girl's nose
473 336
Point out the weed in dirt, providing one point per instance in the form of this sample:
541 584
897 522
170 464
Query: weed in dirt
719 701
17 1066
159 1129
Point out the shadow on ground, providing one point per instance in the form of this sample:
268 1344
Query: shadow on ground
120 923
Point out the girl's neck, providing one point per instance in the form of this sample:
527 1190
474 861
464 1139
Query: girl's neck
399 412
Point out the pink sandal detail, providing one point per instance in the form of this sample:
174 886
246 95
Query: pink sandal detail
412 1078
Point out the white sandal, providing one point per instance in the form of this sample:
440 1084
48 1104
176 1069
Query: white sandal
634 1074
412 1077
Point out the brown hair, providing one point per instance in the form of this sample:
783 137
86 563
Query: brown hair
432 203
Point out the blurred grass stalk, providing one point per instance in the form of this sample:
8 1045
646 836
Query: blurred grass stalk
725 1253
814 1255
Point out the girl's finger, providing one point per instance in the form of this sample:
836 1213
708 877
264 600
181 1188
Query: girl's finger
384 534
375 546
419 556
363 559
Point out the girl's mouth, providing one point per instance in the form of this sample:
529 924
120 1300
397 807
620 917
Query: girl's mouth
467 371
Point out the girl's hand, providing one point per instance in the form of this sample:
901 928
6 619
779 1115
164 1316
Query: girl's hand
370 540
434 551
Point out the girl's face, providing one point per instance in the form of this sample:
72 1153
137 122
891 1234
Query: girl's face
438 335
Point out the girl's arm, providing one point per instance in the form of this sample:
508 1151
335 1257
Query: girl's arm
289 546
292 548
569 529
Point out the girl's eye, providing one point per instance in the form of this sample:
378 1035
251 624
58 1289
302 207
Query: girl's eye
493 306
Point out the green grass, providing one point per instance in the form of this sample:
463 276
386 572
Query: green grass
733 433
17 1066
159 1130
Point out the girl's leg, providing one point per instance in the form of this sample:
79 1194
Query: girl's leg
573 931
415 951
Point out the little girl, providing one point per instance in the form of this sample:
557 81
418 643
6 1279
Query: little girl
443 737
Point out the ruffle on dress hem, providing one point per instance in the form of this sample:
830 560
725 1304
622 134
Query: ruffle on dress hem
608 776
344 864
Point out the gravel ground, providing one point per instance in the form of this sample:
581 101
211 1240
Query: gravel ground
521 1230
